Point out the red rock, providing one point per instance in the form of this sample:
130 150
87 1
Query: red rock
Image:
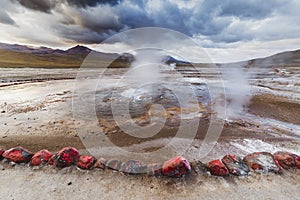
235 165
114 164
100 164
18 155
285 159
41 157
297 161
1 153
133 167
176 167
86 162
263 162
66 157
154 169
217 168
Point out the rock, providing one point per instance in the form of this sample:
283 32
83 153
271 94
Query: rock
176 167
41 157
114 164
297 161
100 164
154 169
262 162
18 155
66 157
133 167
235 165
86 162
286 160
199 167
217 168
1 153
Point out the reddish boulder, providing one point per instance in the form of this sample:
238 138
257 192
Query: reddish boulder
18 155
1 153
41 157
86 162
133 167
198 167
263 162
154 169
66 157
114 164
235 165
297 161
217 168
100 164
285 159
176 167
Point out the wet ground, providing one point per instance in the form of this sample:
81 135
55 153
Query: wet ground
36 112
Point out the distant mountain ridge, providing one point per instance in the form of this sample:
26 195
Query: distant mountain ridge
15 55
45 50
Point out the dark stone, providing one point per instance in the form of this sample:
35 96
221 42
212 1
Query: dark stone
198 167
154 169
18 155
114 164
262 162
217 168
100 164
235 165
133 167
86 162
176 167
66 157
41 157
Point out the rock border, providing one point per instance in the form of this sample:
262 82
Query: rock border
177 167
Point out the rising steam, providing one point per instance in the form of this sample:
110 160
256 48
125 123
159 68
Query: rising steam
237 89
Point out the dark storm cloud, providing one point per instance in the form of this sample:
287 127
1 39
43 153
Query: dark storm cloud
225 21
92 3
48 5
39 5
82 35
6 19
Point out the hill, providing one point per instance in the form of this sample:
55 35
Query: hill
23 56
15 55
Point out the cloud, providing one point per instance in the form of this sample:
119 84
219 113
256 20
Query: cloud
39 5
6 19
214 24
92 3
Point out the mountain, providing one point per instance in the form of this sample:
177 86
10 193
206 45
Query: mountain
78 50
169 60
15 55
25 49
284 58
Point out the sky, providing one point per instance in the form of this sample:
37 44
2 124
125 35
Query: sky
228 30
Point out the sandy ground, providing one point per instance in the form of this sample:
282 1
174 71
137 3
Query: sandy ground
23 182
39 115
